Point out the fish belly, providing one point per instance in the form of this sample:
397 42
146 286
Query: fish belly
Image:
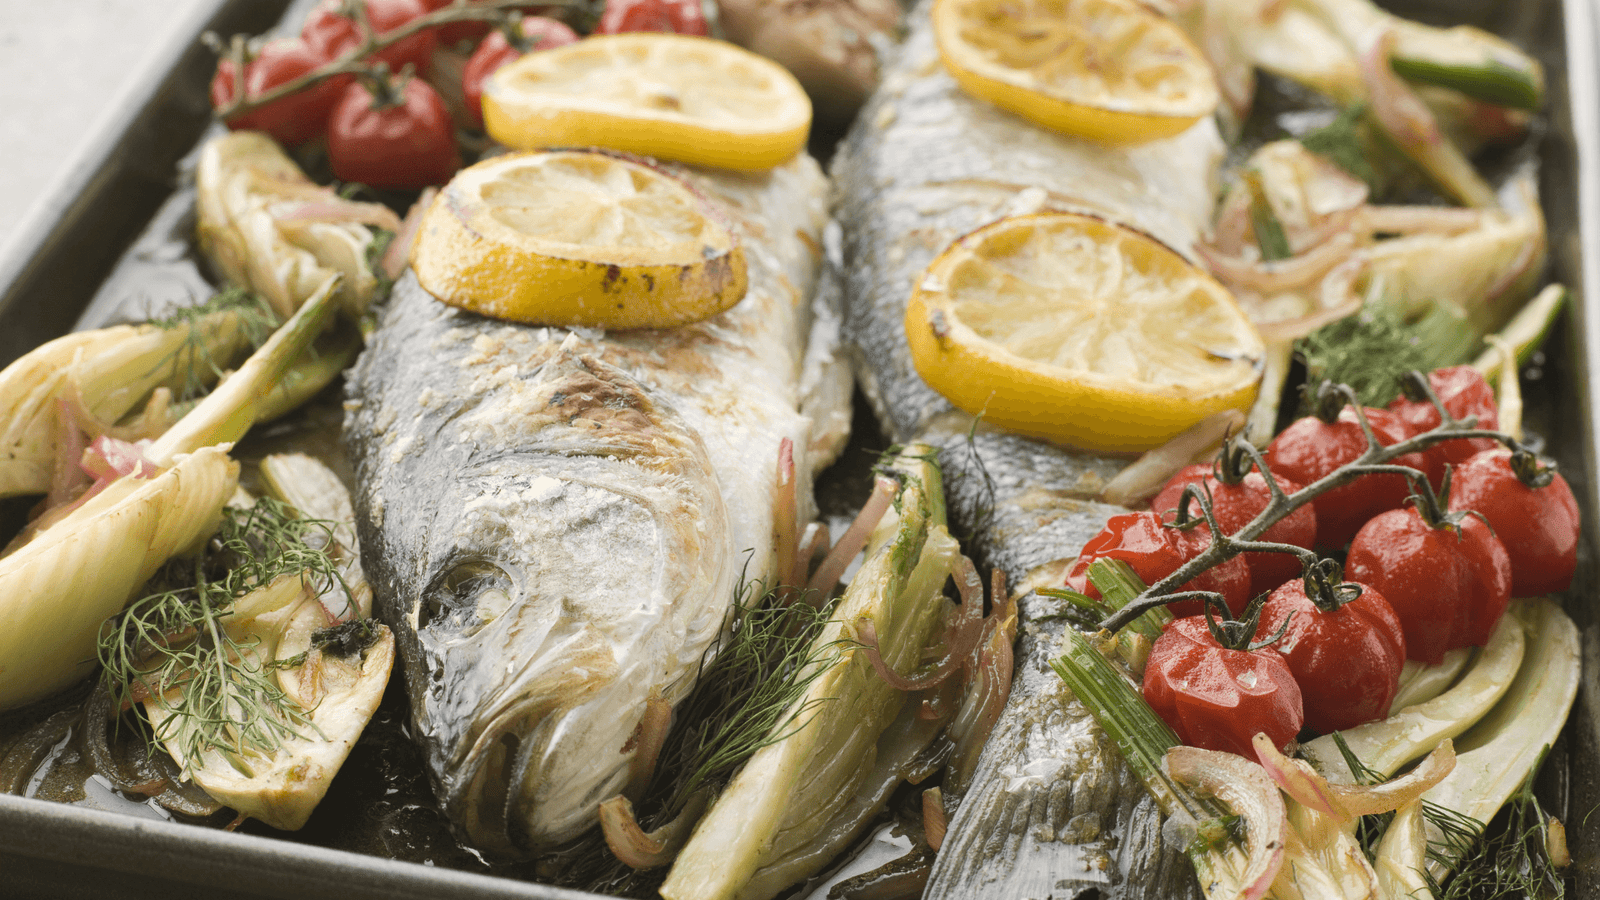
1051 811
556 522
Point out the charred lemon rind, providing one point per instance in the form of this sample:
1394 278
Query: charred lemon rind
468 257
1083 402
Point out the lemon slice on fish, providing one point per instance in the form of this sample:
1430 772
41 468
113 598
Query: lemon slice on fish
578 238
1110 70
691 99
1072 329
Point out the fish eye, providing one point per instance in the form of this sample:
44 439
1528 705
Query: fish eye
469 594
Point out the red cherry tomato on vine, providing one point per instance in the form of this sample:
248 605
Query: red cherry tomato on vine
1537 524
538 32
1347 661
1311 448
1448 584
404 144
331 33
1154 551
294 119
681 16
1464 393
1217 698
1234 505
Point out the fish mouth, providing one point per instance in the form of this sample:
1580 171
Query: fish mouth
496 783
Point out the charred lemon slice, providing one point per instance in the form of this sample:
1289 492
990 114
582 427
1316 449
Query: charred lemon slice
690 99
1078 331
1109 70
578 238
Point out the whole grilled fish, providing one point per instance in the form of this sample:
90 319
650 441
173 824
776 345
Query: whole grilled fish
1051 810
555 523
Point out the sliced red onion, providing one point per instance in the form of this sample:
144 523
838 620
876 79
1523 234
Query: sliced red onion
1246 789
1347 802
321 205
645 743
785 528
854 538
638 849
68 477
989 673
398 254
109 457
962 635
1439 220
1282 275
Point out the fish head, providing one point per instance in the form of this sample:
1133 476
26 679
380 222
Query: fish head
569 575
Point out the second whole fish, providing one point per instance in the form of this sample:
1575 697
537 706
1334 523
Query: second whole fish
1051 810
555 523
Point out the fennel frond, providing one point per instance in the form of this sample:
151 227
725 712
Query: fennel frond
173 645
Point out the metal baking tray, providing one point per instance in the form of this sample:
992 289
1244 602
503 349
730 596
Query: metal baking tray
91 243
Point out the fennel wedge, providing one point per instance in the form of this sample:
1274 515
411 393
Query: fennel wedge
259 682
81 562
795 803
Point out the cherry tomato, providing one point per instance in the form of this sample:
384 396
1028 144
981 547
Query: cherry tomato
1448 581
332 34
1154 551
1219 698
1464 393
1314 446
681 16
296 118
1234 505
538 33
403 141
1535 517
1346 658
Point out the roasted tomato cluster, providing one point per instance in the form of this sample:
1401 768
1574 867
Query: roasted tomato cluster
1432 559
393 125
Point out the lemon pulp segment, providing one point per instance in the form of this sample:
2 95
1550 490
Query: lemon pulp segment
1076 330
1109 70
678 97
578 238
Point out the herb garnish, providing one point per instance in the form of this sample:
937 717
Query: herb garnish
176 637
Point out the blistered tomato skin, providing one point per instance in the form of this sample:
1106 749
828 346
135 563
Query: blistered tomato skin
404 146
1538 525
1449 585
1464 392
1310 449
1216 698
1234 505
679 16
294 119
541 34
1154 551
332 34
1347 662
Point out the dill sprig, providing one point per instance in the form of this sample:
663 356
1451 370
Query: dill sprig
744 699
1511 862
256 321
173 644
1371 349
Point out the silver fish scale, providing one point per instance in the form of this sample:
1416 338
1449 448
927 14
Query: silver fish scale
1052 811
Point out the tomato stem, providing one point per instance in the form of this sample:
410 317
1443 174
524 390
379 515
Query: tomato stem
353 60
1376 459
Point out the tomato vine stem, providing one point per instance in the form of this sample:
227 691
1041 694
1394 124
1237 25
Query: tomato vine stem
353 61
1376 459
